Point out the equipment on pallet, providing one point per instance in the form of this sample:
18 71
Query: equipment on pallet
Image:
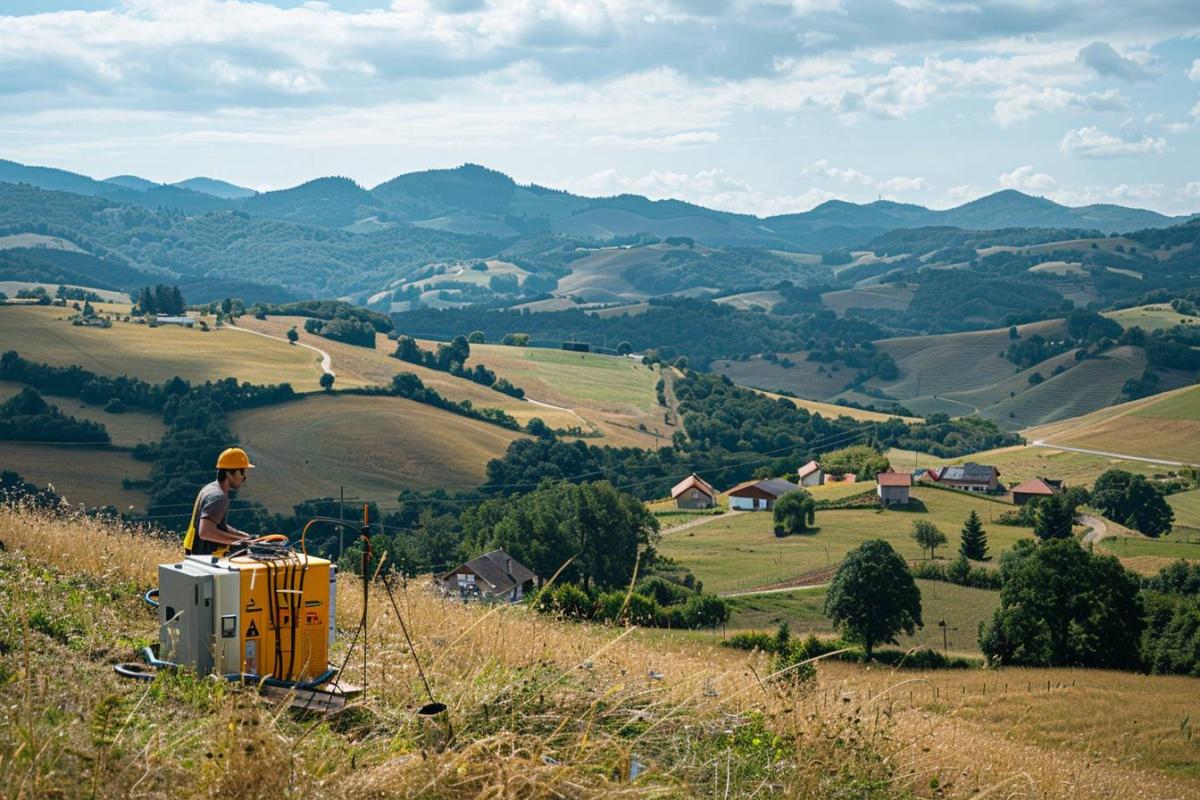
264 614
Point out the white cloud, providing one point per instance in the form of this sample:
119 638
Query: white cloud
713 188
1091 142
957 195
843 174
901 183
1106 62
1194 73
1021 102
1027 179
673 141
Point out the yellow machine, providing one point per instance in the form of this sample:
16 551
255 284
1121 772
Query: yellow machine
265 612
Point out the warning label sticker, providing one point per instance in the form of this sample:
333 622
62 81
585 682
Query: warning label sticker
252 631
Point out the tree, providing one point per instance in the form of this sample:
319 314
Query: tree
624 348
873 597
1061 606
1053 516
681 363
974 540
1013 333
1132 500
928 536
515 339
477 337
293 335
795 512
327 381
860 460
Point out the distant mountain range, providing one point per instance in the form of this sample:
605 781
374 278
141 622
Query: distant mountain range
475 200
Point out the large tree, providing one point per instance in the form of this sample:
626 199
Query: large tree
1061 606
1132 500
873 596
973 544
795 512
1053 517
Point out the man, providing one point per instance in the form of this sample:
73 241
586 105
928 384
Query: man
208 533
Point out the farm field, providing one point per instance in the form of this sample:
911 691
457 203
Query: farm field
1186 506
1167 548
126 429
1166 427
1020 463
374 446
891 296
42 333
11 288
804 378
87 475
962 608
748 300
1150 318
833 410
741 552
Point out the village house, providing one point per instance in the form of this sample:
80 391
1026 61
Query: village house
811 474
1035 488
759 495
694 492
969 477
491 576
893 487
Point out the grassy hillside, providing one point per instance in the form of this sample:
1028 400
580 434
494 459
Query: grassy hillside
961 607
126 429
374 446
890 295
1151 318
1165 426
741 551
529 721
86 475
42 333
835 410
1018 464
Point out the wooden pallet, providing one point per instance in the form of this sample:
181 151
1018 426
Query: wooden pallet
317 701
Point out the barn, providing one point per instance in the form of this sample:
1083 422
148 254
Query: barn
759 495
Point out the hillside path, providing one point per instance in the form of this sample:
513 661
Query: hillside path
704 520
1107 454
1099 529
326 361
777 590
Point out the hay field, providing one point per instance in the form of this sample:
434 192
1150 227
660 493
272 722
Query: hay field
1166 427
962 607
126 429
87 475
1150 318
748 300
891 296
1186 506
833 410
741 551
804 378
1059 268
42 333
516 693
374 446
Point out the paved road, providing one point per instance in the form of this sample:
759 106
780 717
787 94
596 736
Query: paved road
1107 454
1099 529
326 361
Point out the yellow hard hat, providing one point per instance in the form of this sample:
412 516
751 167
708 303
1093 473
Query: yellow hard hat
234 458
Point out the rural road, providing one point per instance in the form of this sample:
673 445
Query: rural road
326 361
780 590
1107 454
1099 529
692 523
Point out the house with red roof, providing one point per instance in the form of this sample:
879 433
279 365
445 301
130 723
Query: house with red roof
893 488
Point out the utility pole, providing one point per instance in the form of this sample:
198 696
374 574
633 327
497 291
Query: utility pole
341 519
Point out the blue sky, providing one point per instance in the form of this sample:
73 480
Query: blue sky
761 106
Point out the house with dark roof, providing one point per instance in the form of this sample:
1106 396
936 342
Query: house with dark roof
694 492
759 495
811 474
1035 488
893 487
969 477
491 576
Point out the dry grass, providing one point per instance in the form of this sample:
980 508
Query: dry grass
539 708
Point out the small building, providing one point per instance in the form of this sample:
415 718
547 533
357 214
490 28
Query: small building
969 477
694 492
163 319
491 576
1035 488
893 488
811 474
759 495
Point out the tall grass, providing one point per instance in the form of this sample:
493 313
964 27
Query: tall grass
537 707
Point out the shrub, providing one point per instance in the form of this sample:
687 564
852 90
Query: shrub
751 640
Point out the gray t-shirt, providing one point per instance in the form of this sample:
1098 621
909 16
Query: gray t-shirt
214 504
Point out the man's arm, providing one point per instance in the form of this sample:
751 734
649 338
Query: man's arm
211 533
